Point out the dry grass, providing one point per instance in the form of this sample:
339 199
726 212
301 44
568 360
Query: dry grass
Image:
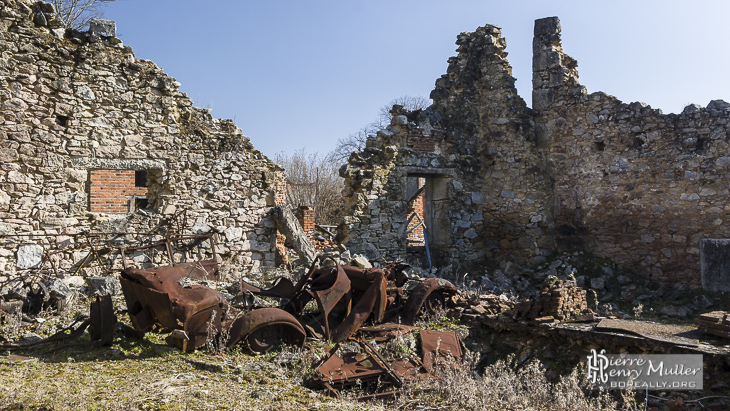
149 375
502 387
153 378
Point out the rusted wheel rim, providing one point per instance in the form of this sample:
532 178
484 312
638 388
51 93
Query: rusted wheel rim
434 303
265 338
263 328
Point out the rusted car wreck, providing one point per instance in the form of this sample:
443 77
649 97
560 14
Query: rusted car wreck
345 296
330 302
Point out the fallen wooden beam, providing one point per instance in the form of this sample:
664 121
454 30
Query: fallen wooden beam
288 225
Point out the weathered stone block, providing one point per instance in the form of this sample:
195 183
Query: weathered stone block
547 26
598 283
107 28
103 285
29 256
542 99
8 155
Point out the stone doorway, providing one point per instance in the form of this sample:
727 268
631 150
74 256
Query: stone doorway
427 209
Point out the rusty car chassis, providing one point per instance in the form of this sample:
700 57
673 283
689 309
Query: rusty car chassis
346 297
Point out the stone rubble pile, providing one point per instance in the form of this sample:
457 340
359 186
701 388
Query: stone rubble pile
480 305
715 323
558 299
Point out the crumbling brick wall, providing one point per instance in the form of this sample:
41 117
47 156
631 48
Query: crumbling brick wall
76 106
305 216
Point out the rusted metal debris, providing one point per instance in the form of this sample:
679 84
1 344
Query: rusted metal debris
169 298
103 320
263 328
198 313
101 325
435 344
345 296
370 371
200 270
338 372
386 331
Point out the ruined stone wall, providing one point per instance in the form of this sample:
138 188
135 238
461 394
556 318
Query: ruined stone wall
75 103
489 197
506 204
577 171
376 188
631 183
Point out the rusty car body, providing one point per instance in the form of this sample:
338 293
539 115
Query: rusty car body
346 297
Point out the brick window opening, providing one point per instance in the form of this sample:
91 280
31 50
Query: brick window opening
117 191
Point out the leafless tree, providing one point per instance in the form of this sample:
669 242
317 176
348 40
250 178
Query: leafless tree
76 14
353 142
411 103
314 181
356 141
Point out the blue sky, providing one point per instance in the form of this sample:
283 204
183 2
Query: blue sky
302 73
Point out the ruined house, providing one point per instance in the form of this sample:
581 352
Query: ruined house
503 182
94 140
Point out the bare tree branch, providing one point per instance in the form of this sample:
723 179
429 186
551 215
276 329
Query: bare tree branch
314 181
75 14
410 103
356 141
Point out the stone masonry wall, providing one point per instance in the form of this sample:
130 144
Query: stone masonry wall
476 145
79 104
507 185
577 171
631 183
